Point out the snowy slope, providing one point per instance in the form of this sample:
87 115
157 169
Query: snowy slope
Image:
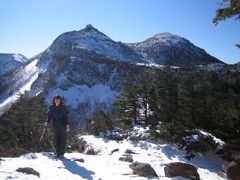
20 82
91 39
10 62
170 49
106 166
82 93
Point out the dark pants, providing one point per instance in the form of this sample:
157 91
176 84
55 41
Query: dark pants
59 135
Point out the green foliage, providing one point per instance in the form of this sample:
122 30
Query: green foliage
22 125
127 105
202 145
231 148
163 97
101 122
181 101
231 9
173 131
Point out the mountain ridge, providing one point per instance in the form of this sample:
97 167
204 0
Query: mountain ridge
11 61
162 48
87 63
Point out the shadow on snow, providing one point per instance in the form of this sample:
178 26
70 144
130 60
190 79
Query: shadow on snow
74 168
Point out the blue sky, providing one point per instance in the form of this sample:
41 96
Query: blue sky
30 26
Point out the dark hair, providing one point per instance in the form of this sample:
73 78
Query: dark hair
57 97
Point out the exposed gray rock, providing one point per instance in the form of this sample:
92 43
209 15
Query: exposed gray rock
126 159
143 169
181 169
28 170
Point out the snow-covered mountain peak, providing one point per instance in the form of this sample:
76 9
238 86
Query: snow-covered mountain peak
20 58
162 39
169 49
81 36
10 62
89 27
92 40
167 35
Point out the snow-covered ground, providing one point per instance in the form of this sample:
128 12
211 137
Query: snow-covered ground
107 166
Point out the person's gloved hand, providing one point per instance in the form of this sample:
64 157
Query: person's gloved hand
67 128
45 124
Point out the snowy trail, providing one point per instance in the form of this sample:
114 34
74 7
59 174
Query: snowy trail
106 166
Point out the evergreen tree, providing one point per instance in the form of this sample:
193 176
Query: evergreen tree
144 93
22 125
231 9
127 105
187 101
101 122
164 96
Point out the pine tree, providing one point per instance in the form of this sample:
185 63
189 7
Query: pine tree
21 126
231 9
164 96
127 105
144 93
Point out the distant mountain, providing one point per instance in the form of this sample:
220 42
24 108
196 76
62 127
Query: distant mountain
10 62
87 68
169 49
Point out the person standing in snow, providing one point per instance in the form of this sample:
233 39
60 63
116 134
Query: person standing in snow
58 115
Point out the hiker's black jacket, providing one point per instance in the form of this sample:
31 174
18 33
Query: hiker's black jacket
58 115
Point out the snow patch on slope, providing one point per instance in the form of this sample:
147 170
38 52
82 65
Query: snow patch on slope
20 58
24 79
82 93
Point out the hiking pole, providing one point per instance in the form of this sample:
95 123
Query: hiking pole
40 140
53 147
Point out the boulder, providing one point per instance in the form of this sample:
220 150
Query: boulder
232 170
28 170
143 169
126 159
181 169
